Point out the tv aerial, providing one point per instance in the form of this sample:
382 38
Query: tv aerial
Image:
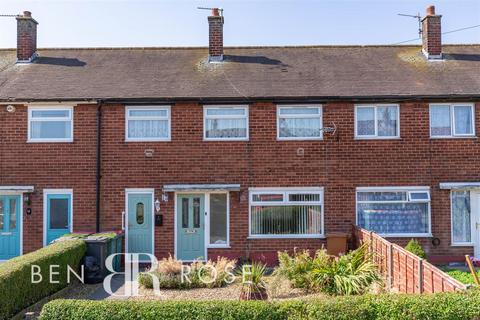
419 19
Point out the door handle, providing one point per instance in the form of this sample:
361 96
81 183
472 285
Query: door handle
477 225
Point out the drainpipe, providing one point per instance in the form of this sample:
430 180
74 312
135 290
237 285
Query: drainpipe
99 159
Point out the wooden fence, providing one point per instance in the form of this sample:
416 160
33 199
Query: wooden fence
404 271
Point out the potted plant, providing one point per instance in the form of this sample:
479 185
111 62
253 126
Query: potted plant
253 286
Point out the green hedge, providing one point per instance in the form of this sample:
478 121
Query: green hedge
16 288
448 306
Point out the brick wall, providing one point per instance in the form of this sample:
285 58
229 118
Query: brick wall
338 163
50 166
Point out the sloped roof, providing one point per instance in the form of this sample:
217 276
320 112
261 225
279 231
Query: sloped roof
247 73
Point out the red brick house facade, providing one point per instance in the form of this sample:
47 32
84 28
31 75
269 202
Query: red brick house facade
338 178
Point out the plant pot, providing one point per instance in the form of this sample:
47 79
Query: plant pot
253 294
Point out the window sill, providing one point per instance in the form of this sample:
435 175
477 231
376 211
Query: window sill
225 139
49 141
148 140
406 235
454 137
377 138
462 245
223 246
300 139
314 236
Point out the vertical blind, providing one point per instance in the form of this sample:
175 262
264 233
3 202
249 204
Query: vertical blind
280 213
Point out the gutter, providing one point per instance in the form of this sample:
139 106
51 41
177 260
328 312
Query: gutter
99 167
244 100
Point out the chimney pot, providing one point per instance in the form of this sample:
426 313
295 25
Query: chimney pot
431 10
27 14
215 12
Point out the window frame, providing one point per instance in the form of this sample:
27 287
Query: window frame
407 190
246 117
452 106
286 191
149 107
472 221
375 136
30 110
291 106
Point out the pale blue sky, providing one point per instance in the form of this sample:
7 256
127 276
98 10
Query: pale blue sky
108 23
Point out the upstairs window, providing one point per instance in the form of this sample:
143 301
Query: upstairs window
148 123
377 122
452 120
50 124
394 212
299 122
225 123
287 213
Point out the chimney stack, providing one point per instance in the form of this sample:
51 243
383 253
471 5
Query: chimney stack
26 37
432 34
215 41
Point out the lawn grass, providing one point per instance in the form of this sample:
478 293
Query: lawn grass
461 275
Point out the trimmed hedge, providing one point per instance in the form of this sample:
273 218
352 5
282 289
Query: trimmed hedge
442 306
16 288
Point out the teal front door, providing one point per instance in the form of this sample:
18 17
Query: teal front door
9 227
191 227
59 216
140 224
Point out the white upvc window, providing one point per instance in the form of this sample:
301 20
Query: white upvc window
377 121
147 123
50 124
225 123
286 212
299 122
461 213
395 211
452 120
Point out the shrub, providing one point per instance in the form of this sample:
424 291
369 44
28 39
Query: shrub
349 274
442 306
253 285
352 273
200 274
416 248
16 288
465 277
297 268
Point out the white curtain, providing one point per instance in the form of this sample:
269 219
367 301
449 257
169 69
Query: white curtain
366 121
299 127
226 128
148 128
463 120
50 129
387 121
461 216
440 120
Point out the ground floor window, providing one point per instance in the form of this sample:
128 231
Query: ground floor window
394 211
218 219
290 212
461 217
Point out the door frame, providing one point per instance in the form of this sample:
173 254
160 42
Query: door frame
206 195
46 192
19 194
140 191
